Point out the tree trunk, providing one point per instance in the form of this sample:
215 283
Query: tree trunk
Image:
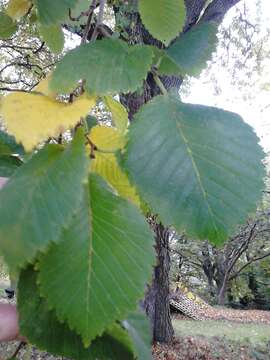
156 302
209 269
130 26
222 292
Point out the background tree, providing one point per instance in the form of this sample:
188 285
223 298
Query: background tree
223 269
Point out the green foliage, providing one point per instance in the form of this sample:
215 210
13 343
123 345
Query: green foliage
53 36
7 26
119 113
204 160
193 49
53 12
168 67
100 55
139 330
111 244
40 199
8 145
91 121
166 21
8 165
76 11
41 327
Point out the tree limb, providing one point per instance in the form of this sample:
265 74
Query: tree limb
233 276
217 9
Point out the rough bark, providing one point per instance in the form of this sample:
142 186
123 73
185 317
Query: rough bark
156 302
208 268
222 291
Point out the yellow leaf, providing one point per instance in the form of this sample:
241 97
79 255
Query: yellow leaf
43 87
33 118
119 113
18 8
191 296
105 163
107 138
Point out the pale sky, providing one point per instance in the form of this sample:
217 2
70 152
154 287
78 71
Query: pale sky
256 113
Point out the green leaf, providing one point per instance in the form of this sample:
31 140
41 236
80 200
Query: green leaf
163 63
81 6
111 261
91 122
53 12
8 145
93 61
7 26
53 36
193 49
139 329
168 67
119 113
8 165
163 19
198 167
108 141
18 8
42 328
40 199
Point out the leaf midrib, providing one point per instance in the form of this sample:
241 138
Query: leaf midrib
196 171
90 253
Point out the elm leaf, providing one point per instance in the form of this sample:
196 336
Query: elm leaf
57 338
198 167
106 257
40 199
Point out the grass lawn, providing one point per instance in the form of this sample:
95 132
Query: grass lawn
254 334
216 340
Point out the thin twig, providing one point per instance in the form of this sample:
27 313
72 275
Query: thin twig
82 14
12 90
93 147
160 84
99 19
89 20
18 349
102 30
233 276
